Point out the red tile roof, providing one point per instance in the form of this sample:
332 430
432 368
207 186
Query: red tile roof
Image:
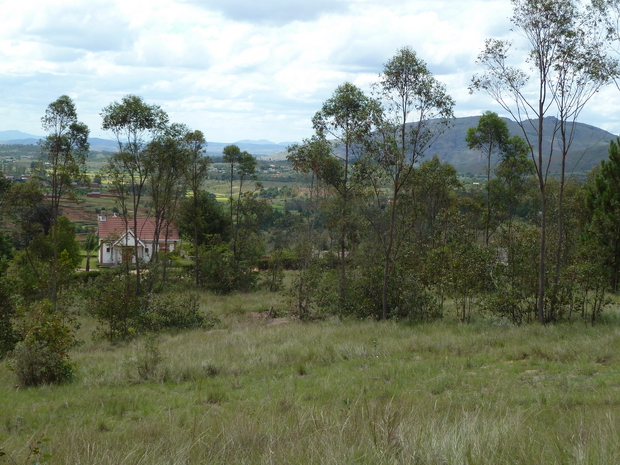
114 226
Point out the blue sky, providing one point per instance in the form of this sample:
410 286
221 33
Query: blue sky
238 69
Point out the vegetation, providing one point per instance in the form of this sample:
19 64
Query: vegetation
340 391
258 340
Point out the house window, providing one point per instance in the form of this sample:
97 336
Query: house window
146 250
107 249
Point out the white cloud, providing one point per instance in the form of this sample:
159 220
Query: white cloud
235 69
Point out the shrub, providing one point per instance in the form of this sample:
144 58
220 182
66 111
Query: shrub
42 355
149 358
220 273
172 311
113 302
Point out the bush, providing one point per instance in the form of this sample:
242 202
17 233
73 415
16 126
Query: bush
218 272
122 315
42 355
172 311
113 302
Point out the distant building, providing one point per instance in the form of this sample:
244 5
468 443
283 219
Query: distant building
117 240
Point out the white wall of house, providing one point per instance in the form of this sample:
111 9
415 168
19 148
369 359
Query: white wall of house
111 253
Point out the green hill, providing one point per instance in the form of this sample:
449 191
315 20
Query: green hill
587 150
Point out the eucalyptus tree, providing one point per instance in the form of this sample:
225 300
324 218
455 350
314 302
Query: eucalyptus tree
567 57
134 124
196 171
65 150
508 188
242 167
490 137
347 117
168 159
416 110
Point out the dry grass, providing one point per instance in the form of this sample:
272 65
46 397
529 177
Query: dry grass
332 392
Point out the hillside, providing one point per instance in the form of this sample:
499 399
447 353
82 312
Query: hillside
588 149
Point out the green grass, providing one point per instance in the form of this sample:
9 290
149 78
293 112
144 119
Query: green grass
255 390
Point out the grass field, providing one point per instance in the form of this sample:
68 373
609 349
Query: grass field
260 390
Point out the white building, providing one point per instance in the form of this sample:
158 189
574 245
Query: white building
117 240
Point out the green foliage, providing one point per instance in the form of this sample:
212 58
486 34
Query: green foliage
149 358
207 216
219 272
489 136
111 299
590 279
31 269
42 354
603 201
172 311
91 245
8 335
307 283
408 299
514 278
275 272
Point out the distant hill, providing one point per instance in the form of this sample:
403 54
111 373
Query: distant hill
13 135
589 147
258 148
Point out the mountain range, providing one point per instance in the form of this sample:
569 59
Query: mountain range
259 148
589 147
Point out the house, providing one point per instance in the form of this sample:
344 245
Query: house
117 240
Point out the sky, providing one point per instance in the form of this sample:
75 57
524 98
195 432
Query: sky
239 69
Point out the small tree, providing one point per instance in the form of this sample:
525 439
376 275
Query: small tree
348 117
489 137
416 111
42 355
196 172
91 245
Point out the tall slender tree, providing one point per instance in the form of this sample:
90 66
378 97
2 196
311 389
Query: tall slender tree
347 117
490 138
567 56
134 124
416 110
242 167
168 159
65 150
196 172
